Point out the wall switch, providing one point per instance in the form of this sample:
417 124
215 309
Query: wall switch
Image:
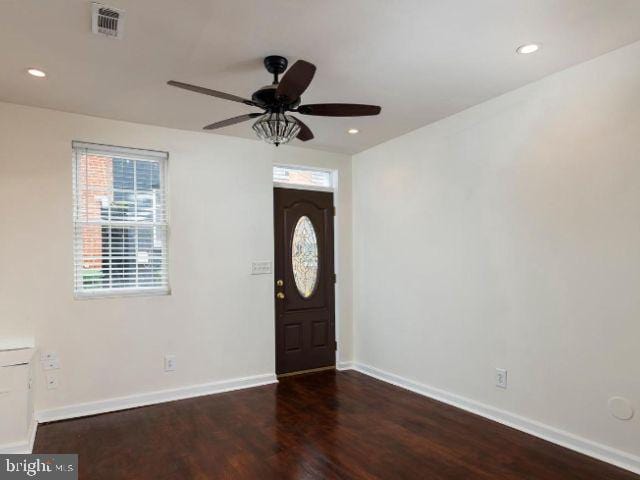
501 378
45 356
169 363
51 364
52 381
261 268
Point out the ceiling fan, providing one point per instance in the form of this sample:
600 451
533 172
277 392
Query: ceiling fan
282 96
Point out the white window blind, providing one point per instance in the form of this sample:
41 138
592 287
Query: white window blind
302 176
120 220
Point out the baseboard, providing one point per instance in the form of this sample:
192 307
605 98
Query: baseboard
151 398
22 447
532 427
18 447
344 366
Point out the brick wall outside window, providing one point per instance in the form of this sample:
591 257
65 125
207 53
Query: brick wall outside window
99 175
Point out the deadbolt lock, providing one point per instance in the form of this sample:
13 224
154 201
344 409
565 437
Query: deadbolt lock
280 296
279 283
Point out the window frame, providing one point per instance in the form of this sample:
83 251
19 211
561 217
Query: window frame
129 153
332 174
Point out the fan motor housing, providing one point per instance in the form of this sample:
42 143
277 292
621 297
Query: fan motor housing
267 96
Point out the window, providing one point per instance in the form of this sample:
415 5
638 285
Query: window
302 176
304 257
120 220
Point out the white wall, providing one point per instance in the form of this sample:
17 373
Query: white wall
509 236
218 320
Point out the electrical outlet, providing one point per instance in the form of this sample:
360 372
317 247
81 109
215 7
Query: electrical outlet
51 364
501 378
52 381
169 363
46 356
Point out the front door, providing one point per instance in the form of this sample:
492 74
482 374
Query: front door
304 280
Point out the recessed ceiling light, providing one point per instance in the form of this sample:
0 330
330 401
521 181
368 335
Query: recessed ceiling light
352 131
36 73
528 48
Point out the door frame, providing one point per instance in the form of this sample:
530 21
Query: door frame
336 243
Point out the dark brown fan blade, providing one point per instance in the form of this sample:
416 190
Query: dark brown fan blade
305 132
296 80
339 110
232 121
213 93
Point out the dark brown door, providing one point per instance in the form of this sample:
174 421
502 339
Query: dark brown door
304 280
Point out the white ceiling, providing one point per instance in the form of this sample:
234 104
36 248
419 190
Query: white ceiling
421 60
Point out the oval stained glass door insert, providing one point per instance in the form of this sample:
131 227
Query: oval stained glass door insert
304 257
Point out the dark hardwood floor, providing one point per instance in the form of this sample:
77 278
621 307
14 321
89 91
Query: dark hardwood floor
317 426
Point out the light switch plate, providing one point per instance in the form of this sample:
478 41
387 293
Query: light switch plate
261 267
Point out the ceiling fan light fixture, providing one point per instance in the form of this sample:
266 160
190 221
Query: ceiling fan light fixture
276 128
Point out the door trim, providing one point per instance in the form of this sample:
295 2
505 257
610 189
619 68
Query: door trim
336 238
311 188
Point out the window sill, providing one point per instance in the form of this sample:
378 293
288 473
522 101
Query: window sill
122 292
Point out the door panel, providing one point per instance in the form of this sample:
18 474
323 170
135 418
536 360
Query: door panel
305 313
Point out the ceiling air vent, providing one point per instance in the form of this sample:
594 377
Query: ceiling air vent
107 21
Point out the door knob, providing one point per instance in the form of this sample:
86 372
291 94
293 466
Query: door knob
279 283
280 296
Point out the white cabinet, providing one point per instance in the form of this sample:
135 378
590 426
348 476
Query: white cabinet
16 398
